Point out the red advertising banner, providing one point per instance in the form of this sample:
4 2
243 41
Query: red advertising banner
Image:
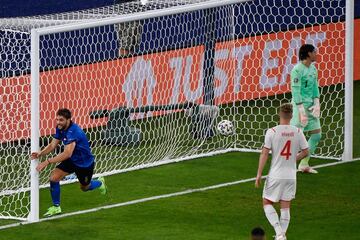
244 69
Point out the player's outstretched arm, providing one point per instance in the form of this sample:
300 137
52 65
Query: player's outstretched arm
296 95
66 154
49 148
262 161
303 154
304 146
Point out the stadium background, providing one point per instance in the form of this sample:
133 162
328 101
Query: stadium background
183 36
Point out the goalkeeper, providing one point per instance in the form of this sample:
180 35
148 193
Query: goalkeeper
305 100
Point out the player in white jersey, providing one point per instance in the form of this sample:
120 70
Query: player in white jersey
288 145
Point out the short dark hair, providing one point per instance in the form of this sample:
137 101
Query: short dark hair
304 51
286 110
64 112
258 232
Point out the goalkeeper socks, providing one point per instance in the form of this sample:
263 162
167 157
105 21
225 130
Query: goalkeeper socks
285 218
313 142
55 193
305 162
94 184
273 218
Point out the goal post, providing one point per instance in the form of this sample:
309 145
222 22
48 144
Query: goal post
149 83
349 82
35 125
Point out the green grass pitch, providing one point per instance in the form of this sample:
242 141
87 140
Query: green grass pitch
326 206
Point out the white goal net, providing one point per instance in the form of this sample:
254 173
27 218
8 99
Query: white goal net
151 91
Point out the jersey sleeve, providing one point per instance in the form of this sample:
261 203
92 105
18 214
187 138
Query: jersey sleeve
71 136
316 93
303 143
296 86
268 139
57 134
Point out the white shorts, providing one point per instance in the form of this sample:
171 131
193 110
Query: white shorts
279 189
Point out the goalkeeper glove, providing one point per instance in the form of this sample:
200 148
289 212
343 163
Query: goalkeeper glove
302 115
315 109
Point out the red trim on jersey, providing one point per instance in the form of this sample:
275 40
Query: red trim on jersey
273 129
267 148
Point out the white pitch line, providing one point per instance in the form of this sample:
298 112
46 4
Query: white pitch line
159 197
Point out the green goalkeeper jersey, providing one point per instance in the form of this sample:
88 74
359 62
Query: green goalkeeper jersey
304 84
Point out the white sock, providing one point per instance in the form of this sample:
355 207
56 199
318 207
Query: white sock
273 218
285 218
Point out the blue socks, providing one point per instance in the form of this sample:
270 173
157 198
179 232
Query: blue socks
94 184
55 193
55 190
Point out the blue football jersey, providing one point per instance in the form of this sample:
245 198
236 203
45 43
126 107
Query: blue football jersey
82 156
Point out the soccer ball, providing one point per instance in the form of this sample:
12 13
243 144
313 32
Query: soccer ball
225 127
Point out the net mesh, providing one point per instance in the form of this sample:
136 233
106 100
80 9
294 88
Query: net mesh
151 91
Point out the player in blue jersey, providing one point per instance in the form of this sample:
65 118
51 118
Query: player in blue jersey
305 100
76 158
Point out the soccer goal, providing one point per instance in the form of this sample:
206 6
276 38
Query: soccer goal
150 80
